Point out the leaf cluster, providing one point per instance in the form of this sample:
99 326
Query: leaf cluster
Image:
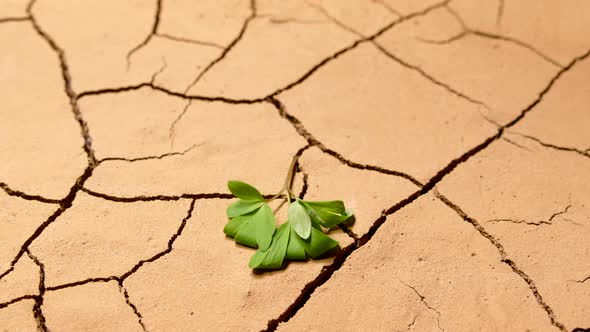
252 223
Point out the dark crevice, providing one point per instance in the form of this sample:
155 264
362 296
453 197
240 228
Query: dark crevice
164 155
64 204
123 290
341 257
423 300
18 299
67 201
430 77
581 329
349 232
29 197
504 259
121 279
143 198
73 97
398 59
38 306
228 48
355 44
312 141
147 39
168 248
14 19
215 61
553 146
300 80
305 186
80 283
167 92
466 31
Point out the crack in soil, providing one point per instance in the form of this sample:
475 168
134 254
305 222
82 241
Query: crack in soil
398 59
29 197
553 146
162 156
312 141
345 252
466 31
228 48
516 144
14 19
341 257
504 259
534 223
121 279
73 97
143 198
388 7
289 86
188 40
221 56
123 290
37 308
423 300
147 39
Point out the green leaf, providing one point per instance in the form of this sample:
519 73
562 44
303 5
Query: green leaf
296 248
318 244
299 219
328 213
265 226
254 229
242 207
274 256
231 228
244 191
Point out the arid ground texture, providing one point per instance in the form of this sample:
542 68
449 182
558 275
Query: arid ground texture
457 131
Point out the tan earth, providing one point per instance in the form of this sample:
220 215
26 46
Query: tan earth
458 132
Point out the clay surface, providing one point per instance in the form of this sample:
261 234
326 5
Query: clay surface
457 132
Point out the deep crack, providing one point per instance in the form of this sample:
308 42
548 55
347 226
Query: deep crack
29 197
341 257
64 204
466 31
504 259
38 306
397 59
312 141
133 307
228 48
73 97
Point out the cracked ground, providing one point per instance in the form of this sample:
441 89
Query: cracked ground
457 131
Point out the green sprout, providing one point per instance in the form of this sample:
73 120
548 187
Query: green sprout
252 223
